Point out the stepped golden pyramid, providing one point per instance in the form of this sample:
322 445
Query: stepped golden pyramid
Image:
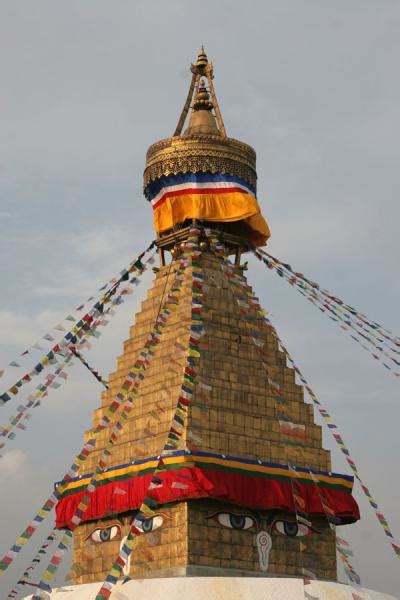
219 454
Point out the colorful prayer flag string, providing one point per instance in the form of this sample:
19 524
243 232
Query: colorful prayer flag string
27 533
379 342
35 561
364 319
93 371
34 399
137 376
83 328
342 546
89 446
293 432
286 425
146 510
327 419
53 565
114 281
301 521
42 388
339 441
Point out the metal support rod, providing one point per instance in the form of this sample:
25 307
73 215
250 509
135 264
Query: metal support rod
161 257
220 122
185 110
238 256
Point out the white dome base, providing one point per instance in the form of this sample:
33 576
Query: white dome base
216 588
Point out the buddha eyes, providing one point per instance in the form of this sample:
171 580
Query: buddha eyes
229 520
232 521
105 534
292 528
147 525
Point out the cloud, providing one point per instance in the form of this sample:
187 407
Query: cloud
314 91
12 466
22 330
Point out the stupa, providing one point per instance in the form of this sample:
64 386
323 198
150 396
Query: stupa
219 444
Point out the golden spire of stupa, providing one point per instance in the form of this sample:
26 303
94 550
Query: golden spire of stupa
204 156
202 121
205 442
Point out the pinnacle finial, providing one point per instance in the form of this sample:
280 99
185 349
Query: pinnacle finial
202 59
202 100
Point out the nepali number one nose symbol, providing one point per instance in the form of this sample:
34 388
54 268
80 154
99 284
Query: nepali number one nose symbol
264 545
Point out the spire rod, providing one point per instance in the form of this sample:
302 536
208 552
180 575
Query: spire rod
202 68
210 77
186 107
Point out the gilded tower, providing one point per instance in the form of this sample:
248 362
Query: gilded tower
217 468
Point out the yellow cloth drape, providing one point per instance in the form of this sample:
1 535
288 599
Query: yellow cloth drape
225 207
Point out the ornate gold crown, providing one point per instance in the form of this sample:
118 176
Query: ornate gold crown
204 146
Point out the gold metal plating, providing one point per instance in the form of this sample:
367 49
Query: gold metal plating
195 152
200 153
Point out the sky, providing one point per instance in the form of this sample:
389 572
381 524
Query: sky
314 88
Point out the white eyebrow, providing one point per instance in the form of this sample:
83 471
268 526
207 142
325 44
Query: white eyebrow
304 521
236 514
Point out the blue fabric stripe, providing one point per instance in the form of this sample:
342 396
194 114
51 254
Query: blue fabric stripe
156 186
244 461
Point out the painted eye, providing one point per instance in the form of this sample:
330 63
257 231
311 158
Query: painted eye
106 534
232 521
292 528
147 525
